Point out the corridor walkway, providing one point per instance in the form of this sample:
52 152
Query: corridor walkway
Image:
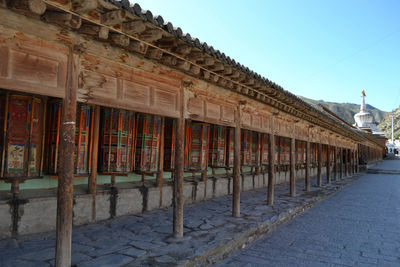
357 226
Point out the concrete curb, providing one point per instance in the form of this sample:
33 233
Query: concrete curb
227 249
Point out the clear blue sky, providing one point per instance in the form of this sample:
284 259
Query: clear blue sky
320 49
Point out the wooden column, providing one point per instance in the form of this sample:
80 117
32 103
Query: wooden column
345 161
307 178
160 174
236 168
328 164
319 167
178 197
95 151
335 167
357 161
65 192
292 167
341 163
271 166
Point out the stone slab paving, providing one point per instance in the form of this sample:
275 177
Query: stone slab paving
358 226
210 233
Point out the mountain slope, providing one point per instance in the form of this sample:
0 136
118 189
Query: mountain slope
386 124
347 110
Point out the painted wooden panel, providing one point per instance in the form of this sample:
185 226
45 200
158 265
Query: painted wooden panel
110 84
213 110
256 121
196 106
99 85
228 113
32 65
246 118
136 93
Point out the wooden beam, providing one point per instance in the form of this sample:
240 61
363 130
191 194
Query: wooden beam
134 27
154 53
319 166
222 82
167 42
307 178
66 172
37 7
63 19
120 39
292 167
169 60
227 70
236 167
235 74
103 33
84 6
183 65
151 35
218 66
138 47
194 69
114 17
183 49
206 75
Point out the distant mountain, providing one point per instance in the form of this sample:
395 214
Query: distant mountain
346 111
386 124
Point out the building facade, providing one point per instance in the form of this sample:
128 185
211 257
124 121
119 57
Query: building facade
120 112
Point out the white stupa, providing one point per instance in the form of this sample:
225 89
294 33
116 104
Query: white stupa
364 119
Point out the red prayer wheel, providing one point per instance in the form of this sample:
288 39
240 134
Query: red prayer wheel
196 146
148 134
21 143
117 135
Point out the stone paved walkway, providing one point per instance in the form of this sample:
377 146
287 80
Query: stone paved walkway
142 240
359 225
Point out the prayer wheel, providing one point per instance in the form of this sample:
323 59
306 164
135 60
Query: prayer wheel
196 146
21 136
117 135
221 147
148 134
250 148
83 140
264 149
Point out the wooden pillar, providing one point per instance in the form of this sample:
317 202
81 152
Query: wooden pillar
160 174
65 192
357 161
341 163
335 167
292 167
307 178
345 162
178 197
319 167
95 151
236 168
178 177
328 164
271 166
